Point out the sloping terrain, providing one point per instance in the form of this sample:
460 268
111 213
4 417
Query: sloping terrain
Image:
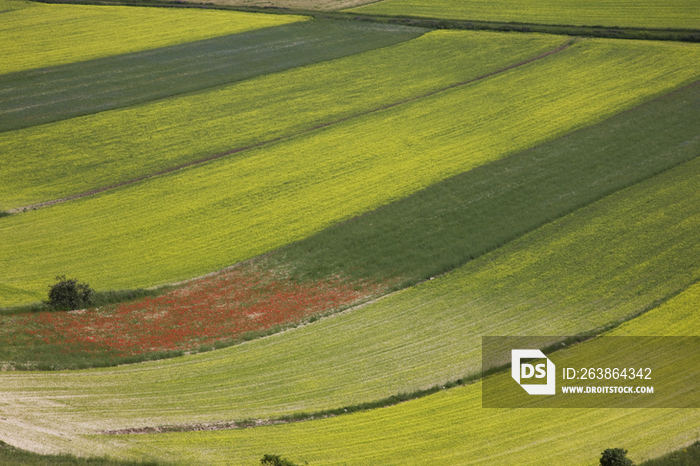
506 184
38 96
83 154
41 35
677 14
610 260
235 208
424 235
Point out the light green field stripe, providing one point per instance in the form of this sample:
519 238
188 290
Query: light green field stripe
57 160
35 97
46 35
451 427
13 5
195 221
448 428
592 267
679 14
677 317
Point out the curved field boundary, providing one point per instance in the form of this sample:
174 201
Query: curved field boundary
454 427
401 243
85 153
34 97
677 14
50 35
290 136
443 226
600 264
206 218
674 317
435 21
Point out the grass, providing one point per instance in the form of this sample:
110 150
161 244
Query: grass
451 426
238 207
447 224
214 311
434 230
688 456
13 5
34 97
322 5
678 14
17 457
59 159
676 317
603 263
46 35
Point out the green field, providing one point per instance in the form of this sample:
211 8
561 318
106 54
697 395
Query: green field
677 317
503 183
447 224
508 197
34 97
78 155
423 430
610 260
677 14
43 35
238 207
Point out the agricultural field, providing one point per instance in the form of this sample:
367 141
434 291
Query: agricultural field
38 96
280 192
676 14
172 132
42 35
322 5
413 339
567 173
299 226
429 428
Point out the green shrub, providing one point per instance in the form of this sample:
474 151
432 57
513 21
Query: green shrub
69 294
615 457
275 460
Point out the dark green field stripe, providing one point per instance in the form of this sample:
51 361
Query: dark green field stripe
446 225
34 97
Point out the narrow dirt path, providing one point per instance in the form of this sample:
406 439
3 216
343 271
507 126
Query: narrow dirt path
39 205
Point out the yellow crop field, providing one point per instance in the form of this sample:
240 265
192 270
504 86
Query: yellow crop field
557 175
609 13
69 157
214 215
593 267
11 5
48 35
677 317
429 429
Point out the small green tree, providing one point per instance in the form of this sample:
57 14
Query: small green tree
69 294
615 457
276 460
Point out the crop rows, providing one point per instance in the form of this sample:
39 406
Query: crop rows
555 179
32 97
423 430
235 208
602 263
44 35
81 154
508 197
677 14
463 217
